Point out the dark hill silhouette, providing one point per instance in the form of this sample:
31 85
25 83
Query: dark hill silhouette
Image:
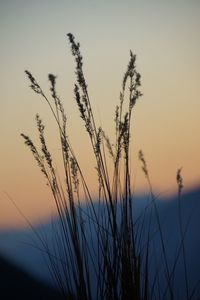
23 247
17 284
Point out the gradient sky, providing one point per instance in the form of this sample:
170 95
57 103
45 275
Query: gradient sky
165 35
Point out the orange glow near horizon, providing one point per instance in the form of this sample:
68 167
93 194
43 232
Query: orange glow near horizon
166 120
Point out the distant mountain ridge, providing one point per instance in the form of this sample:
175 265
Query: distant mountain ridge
23 247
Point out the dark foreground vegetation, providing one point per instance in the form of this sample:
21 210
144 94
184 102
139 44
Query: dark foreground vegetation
104 250
17 284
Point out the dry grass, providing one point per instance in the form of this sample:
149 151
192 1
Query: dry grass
102 251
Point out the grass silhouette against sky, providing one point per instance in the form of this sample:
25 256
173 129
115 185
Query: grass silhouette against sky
165 36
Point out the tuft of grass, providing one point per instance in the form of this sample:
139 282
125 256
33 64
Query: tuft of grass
101 250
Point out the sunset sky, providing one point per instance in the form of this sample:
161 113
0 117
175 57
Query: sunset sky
165 36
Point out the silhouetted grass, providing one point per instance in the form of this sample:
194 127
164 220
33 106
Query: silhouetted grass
103 251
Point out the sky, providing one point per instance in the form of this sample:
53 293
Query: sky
166 39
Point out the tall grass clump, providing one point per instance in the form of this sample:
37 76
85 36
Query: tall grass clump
102 249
